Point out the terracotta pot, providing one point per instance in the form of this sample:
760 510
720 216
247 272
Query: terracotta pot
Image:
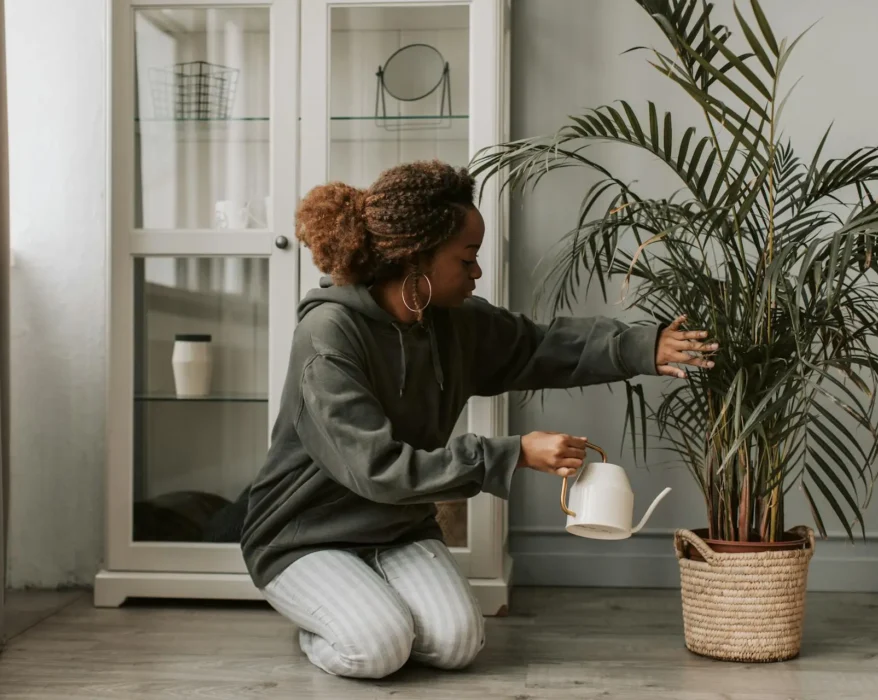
791 540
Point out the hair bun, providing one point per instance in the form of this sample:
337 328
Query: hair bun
358 201
331 222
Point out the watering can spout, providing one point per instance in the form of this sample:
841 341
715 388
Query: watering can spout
651 509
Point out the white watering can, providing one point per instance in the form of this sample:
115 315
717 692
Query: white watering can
601 503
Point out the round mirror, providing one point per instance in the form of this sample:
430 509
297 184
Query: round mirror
413 72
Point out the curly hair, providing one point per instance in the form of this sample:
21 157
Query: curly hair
362 236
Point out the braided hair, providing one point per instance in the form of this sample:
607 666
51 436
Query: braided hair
363 236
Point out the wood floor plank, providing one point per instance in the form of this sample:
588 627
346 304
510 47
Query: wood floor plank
556 644
24 609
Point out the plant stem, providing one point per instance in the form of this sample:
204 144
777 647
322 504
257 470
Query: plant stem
744 504
709 470
764 511
769 252
776 498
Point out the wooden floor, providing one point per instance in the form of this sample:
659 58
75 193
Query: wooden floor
556 643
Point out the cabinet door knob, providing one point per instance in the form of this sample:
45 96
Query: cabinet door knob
281 242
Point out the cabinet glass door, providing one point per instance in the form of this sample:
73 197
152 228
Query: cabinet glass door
201 341
398 92
392 81
202 274
201 322
202 137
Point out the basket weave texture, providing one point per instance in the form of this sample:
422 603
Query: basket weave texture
743 606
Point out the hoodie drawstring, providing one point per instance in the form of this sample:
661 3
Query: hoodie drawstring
401 361
434 357
434 354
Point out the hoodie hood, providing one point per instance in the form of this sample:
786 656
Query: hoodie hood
353 296
358 298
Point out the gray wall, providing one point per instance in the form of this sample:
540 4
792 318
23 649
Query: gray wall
567 57
57 156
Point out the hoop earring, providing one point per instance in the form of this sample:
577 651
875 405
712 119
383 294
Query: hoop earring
419 311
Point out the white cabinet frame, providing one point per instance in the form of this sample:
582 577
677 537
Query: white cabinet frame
299 160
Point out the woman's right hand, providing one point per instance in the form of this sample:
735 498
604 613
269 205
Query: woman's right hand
554 453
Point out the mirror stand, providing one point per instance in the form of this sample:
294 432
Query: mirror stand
408 76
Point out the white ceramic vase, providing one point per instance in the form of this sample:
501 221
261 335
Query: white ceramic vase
193 365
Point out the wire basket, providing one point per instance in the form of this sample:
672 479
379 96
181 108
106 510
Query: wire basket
193 90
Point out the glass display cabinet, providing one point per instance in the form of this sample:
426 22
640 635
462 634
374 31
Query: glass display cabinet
223 115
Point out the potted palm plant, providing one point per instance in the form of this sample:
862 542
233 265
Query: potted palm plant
774 254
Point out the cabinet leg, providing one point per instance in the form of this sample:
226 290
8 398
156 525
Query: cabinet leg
493 593
109 592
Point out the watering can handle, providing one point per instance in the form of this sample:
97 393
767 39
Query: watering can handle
564 482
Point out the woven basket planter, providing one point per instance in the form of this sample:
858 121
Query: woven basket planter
746 606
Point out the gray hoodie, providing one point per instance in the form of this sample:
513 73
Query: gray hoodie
360 451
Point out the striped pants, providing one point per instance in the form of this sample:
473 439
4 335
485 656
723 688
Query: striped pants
364 616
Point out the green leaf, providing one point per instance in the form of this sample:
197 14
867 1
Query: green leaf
827 449
815 512
779 111
769 405
684 147
723 171
857 411
607 123
842 430
669 137
638 389
733 191
828 495
620 123
705 173
743 69
754 43
730 120
635 123
692 172
764 26
785 53
632 391
728 83
685 16
653 127
746 205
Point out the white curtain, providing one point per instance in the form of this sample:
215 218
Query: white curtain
4 324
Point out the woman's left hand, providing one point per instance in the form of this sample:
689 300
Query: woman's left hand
683 348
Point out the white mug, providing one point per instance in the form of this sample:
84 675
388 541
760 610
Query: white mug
231 214
601 502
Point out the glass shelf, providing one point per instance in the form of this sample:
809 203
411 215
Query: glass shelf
156 133
402 117
431 130
218 398
188 120
392 118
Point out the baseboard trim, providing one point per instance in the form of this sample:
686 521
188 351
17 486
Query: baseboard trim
551 531
544 558
113 588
